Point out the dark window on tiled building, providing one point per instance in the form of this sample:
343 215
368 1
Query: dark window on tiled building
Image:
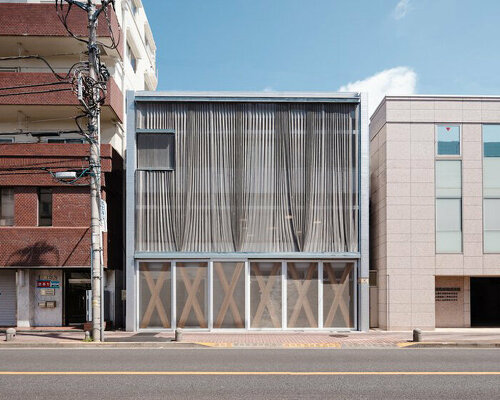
44 207
6 206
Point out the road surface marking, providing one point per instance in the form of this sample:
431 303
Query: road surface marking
243 373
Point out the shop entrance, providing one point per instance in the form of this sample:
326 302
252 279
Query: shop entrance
485 301
75 298
247 294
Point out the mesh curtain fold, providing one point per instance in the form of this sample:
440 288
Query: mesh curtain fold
251 177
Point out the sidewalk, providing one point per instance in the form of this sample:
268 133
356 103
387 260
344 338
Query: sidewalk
474 337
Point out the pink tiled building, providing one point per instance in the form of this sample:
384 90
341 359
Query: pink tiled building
435 212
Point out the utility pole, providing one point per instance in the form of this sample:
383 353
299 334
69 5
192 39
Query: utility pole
91 90
95 175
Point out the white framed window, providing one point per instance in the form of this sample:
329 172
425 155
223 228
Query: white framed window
491 188
491 211
448 206
448 140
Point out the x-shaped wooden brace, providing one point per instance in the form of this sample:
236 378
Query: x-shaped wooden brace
338 291
302 300
265 301
192 299
229 295
155 300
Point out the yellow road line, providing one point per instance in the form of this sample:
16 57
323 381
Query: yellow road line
293 373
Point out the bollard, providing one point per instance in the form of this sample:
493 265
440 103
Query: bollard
178 335
417 335
87 336
10 334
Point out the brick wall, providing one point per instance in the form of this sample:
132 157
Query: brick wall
67 241
44 246
70 206
18 19
25 206
42 20
114 97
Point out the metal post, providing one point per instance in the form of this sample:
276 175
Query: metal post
95 176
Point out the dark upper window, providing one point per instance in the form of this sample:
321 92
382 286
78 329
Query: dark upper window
448 140
6 140
133 60
156 150
44 207
65 141
491 140
6 206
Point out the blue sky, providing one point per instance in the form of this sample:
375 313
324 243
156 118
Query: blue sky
404 46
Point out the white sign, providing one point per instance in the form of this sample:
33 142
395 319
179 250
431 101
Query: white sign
104 216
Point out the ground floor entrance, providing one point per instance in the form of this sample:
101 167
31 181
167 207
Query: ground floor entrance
77 285
485 301
246 294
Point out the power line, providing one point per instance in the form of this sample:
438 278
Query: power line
34 85
34 92
48 133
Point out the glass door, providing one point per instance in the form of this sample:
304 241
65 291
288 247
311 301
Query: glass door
191 294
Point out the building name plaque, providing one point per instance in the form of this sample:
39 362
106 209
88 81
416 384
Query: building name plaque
447 293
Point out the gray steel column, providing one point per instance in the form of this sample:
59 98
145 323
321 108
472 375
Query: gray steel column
363 279
130 282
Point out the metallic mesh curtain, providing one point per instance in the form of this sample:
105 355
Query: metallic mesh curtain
251 177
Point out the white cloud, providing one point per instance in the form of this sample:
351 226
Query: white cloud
401 9
395 81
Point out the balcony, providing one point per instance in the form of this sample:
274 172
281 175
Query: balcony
52 156
40 103
37 29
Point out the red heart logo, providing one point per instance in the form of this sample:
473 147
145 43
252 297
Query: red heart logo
448 129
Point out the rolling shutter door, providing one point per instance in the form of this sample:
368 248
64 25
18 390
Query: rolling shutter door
7 298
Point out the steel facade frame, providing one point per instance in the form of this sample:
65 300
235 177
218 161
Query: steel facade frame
360 258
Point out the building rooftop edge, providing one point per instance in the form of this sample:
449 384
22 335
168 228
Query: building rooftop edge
248 95
434 97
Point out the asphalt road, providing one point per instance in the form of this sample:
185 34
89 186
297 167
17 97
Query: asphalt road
249 373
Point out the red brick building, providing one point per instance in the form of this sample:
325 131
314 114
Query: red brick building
45 235
44 222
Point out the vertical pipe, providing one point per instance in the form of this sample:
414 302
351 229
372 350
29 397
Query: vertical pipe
364 190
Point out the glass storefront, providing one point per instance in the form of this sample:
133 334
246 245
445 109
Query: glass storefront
247 294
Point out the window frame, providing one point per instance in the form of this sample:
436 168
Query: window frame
40 189
13 208
133 60
154 131
65 141
436 141
448 197
6 140
484 195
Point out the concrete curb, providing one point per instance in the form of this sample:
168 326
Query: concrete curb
92 345
231 345
434 345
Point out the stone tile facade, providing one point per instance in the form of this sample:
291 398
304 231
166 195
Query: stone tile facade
403 153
